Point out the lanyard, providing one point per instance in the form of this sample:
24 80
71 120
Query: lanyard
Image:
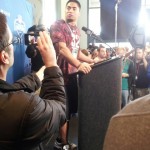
73 44
70 29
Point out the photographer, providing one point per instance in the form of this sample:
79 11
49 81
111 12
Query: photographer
31 51
27 119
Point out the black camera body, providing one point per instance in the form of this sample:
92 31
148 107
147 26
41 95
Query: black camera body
30 38
32 52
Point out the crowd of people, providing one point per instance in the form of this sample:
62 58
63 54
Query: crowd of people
135 68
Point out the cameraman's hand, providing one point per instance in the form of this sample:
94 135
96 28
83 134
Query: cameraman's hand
46 49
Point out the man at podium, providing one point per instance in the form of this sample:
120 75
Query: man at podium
66 37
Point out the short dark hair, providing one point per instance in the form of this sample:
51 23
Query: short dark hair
100 46
37 28
75 1
4 37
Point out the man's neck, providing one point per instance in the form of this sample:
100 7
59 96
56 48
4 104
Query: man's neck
72 23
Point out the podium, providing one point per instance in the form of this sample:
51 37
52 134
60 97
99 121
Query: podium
99 98
96 97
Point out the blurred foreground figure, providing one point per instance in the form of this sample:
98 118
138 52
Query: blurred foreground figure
130 128
27 120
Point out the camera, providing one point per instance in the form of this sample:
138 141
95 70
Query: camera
31 38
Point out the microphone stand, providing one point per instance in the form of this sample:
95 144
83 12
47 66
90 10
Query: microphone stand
116 19
98 38
134 74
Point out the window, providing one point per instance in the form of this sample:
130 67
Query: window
94 22
146 3
49 12
94 16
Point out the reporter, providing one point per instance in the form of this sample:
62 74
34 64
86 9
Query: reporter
26 119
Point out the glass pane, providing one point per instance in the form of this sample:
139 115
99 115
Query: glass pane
143 2
147 2
94 22
94 3
48 8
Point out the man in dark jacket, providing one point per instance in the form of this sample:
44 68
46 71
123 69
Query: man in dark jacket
26 119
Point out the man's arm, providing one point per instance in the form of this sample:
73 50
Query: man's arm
45 114
85 58
31 81
145 61
83 67
63 50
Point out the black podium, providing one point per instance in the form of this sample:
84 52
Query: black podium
99 98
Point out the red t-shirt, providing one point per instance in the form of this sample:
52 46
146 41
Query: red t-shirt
60 31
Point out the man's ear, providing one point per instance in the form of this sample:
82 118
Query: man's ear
4 57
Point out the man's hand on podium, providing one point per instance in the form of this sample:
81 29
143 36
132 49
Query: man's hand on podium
85 67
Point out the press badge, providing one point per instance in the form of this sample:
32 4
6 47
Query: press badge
75 52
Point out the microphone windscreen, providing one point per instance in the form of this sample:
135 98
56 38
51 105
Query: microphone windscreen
84 29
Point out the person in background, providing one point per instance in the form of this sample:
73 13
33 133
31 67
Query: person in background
27 120
141 78
92 50
102 54
66 38
85 52
127 75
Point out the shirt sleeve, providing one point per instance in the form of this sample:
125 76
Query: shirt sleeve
57 32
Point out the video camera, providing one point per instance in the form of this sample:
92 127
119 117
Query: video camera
30 38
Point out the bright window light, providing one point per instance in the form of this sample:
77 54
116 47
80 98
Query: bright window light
49 12
144 20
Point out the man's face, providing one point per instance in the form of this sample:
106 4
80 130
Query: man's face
72 12
102 53
139 54
120 52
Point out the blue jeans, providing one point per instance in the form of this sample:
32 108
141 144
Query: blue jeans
125 94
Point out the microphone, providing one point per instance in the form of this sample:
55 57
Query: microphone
91 33
88 31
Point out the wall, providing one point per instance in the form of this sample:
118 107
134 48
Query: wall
18 20
37 10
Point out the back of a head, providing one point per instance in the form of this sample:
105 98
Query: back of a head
4 38
100 47
32 28
74 1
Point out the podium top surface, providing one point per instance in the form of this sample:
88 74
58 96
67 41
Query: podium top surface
107 61
115 58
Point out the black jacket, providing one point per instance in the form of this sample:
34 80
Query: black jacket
26 119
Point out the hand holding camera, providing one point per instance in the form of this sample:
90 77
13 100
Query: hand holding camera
45 46
32 51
